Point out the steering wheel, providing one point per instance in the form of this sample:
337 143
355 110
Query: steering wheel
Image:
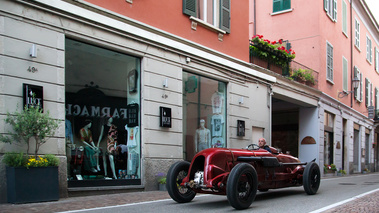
252 147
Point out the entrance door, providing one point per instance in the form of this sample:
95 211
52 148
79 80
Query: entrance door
328 148
356 151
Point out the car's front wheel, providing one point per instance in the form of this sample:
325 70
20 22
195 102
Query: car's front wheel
175 175
242 186
311 178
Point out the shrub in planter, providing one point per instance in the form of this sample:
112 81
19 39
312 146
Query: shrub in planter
34 178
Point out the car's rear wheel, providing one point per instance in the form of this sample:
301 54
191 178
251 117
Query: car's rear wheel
242 186
311 178
175 175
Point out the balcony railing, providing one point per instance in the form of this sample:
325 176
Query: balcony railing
294 70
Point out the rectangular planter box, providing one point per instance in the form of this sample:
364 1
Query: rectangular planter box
36 184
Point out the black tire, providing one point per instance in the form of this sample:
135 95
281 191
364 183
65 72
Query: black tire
242 186
311 178
175 175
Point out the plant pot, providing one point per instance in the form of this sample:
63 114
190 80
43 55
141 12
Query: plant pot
162 187
36 184
330 172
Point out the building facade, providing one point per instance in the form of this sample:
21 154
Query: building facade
339 40
135 91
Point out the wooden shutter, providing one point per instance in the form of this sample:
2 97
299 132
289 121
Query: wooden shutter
344 17
225 15
355 89
286 4
335 10
345 73
367 101
277 5
360 78
376 53
189 7
326 2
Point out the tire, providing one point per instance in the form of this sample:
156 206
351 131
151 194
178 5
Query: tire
175 175
241 186
311 178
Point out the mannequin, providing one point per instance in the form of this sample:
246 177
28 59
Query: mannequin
133 152
111 130
202 137
90 150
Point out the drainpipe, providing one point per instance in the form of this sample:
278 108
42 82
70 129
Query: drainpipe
351 54
255 18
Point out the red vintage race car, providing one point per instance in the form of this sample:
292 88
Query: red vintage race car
239 173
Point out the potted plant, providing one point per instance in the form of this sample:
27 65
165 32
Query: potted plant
330 169
161 178
31 178
341 172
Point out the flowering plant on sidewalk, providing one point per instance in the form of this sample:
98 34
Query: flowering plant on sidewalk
161 178
271 50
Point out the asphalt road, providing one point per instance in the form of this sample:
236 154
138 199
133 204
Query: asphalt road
331 191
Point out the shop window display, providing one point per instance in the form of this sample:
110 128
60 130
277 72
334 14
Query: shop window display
102 116
204 110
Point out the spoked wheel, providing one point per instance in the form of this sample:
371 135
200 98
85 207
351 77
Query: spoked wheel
311 178
175 175
242 186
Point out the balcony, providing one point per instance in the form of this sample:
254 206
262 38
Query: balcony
274 57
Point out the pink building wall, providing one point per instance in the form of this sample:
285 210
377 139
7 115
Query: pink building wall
167 15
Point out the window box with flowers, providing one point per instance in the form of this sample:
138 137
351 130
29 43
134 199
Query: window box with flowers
31 178
271 51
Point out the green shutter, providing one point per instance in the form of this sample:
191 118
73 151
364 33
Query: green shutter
286 4
277 6
225 15
189 7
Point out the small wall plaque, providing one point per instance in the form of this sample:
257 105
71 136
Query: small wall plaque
33 95
165 117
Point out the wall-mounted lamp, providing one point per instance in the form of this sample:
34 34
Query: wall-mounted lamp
165 83
355 82
33 51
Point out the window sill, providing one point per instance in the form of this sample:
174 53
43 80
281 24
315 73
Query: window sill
281 12
196 21
330 81
356 47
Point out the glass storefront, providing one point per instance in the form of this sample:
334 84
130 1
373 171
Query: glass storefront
204 114
102 90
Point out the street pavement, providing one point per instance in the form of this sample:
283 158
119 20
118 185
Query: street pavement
368 203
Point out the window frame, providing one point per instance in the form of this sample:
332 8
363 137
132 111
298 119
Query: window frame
282 6
368 91
222 25
329 62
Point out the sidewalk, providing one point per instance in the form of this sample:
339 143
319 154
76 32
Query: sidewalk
368 203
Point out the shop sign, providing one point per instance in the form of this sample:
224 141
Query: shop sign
33 95
165 117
